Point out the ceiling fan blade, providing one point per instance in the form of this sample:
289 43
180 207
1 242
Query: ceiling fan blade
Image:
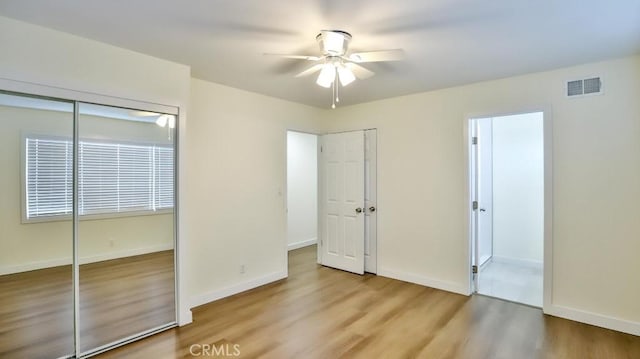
297 57
376 56
310 70
359 71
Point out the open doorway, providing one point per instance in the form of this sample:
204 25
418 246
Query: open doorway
302 203
332 200
302 189
507 183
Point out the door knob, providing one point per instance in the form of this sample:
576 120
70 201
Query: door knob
482 210
358 210
372 209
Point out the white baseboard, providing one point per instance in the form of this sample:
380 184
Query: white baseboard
427 282
236 288
517 261
34 266
186 317
127 253
598 320
84 260
308 242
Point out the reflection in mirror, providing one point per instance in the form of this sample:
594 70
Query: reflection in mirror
126 227
36 232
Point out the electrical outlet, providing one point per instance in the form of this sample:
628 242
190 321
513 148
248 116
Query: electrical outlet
242 269
112 242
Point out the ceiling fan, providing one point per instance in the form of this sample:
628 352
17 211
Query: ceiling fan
338 66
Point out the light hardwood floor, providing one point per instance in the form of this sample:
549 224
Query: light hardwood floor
118 298
325 313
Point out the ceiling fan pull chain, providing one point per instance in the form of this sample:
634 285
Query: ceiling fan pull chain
337 89
333 96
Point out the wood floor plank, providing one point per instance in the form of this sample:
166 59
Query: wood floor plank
325 313
119 298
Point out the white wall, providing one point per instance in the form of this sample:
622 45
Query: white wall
302 189
236 180
518 187
43 56
422 218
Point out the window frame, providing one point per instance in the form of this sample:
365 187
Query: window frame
85 217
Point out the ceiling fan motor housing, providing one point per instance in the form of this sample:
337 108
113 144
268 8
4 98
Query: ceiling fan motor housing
333 42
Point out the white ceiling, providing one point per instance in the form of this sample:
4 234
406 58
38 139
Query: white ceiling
447 42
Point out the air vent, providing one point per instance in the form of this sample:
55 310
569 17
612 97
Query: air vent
575 88
583 87
592 85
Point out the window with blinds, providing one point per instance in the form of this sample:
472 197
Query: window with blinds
48 179
112 177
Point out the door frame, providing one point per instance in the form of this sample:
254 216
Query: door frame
285 192
372 183
547 124
475 159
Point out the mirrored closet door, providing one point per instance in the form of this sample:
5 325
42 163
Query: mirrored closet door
36 231
125 229
87 226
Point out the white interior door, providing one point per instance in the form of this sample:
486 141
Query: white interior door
370 201
485 190
341 224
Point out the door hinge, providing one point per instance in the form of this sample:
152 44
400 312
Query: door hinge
320 148
321 243
474 140
475 205
474 269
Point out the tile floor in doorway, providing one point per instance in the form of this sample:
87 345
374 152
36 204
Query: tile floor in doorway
510 281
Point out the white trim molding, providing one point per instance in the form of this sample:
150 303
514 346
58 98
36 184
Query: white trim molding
301 244
598 320
186 317
236 288
458 288
63 93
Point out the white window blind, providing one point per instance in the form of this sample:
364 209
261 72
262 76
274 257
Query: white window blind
112 177
164 177
115 178
48 179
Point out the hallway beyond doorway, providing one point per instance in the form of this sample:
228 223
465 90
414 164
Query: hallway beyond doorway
511 281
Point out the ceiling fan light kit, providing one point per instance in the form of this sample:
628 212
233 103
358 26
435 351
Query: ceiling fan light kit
337 66
164 120
327 75
345 75
168 121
